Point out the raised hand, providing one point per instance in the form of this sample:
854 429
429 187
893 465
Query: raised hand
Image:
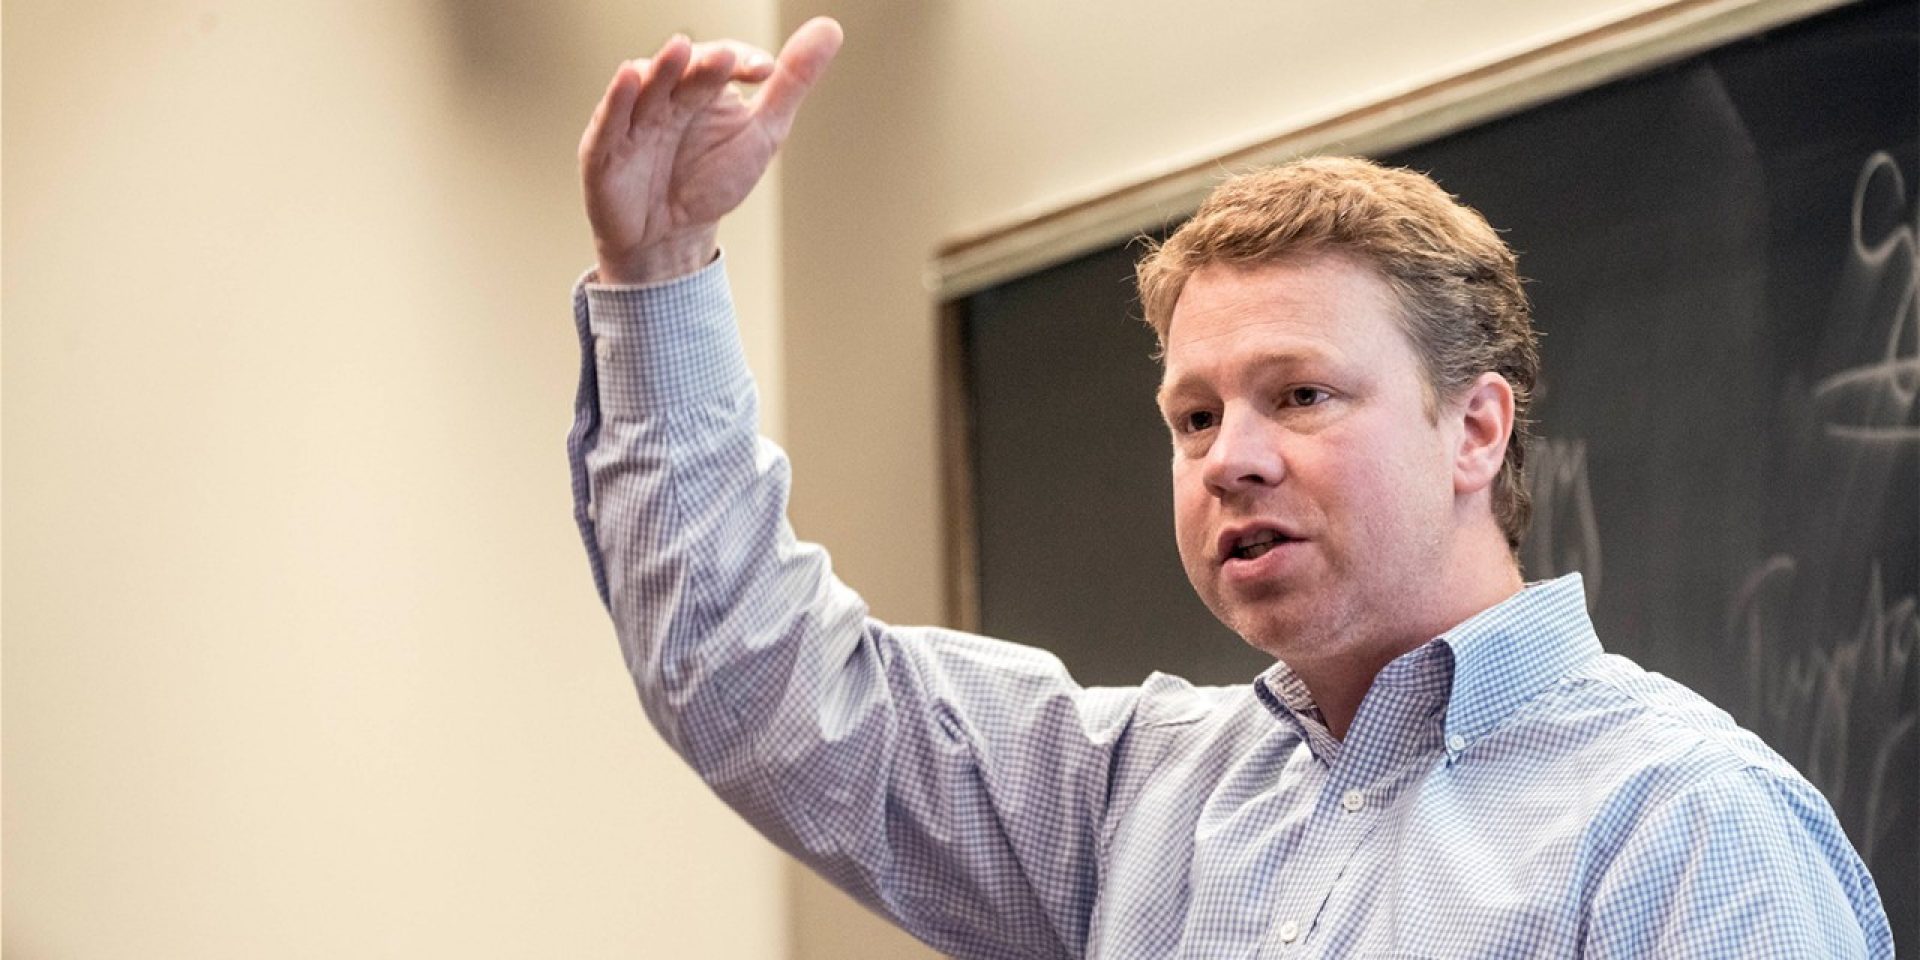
673 147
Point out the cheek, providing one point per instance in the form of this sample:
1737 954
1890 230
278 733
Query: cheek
1361 498
1410 488
1190 506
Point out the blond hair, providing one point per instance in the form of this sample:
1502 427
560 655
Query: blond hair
1462 306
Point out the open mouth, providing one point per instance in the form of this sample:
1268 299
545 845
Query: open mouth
1256 544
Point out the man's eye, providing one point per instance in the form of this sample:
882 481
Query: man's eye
1196 421
1306 396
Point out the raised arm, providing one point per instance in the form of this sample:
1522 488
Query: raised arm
954 783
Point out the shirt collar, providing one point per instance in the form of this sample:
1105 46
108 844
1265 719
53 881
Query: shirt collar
1510 652
1500 658
1286 696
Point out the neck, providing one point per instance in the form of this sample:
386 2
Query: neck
1339 685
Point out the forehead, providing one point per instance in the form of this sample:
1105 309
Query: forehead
1327 307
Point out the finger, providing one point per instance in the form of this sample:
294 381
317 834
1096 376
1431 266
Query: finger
706 76
750 63
615 110
801 63
661 75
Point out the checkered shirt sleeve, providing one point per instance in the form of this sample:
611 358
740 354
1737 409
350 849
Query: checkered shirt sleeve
953 783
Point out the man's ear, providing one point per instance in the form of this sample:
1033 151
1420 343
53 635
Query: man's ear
1486 416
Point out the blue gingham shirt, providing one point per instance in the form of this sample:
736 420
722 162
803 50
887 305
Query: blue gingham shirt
1506 790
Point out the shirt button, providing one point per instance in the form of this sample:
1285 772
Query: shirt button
1456 743
1353 801
1289 932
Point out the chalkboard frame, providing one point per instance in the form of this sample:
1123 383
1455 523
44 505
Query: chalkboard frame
1076 225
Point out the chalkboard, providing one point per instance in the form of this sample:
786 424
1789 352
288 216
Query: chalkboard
1723 262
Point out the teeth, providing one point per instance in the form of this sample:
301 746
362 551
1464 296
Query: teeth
1258 544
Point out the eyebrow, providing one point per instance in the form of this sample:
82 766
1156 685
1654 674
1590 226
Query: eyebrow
1265 362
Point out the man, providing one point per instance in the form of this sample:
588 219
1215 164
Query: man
1441 762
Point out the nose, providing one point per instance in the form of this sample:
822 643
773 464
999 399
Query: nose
1245 454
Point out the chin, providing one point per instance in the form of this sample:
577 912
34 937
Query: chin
1280 631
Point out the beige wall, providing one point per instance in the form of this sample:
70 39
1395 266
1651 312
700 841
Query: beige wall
302 658
944 117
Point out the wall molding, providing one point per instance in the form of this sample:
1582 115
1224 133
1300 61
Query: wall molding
1023 244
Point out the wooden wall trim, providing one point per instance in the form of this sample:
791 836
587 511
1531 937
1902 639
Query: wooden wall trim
1063 230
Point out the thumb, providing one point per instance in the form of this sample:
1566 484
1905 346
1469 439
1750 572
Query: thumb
801 63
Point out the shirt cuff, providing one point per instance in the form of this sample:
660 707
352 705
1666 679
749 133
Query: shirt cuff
660 344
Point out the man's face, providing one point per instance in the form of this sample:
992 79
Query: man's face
1313 492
